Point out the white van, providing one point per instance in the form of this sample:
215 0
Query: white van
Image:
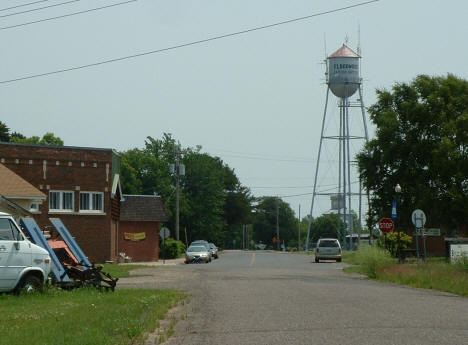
23 265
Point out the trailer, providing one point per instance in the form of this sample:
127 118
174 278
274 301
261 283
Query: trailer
71 268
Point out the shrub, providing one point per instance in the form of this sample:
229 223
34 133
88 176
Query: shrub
172 249
462 263
391 242
371 259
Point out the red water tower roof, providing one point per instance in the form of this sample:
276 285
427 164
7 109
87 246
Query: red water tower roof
345 52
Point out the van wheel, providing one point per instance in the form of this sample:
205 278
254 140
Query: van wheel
30 284
316 260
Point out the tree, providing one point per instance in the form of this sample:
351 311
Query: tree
326 225
47 139
211 198
264 224
4 132
421 143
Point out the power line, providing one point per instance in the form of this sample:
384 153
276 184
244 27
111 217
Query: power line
66 15
29 3
281 187
261 155
322 186
326 190
290 196
266 159
173 47
39 8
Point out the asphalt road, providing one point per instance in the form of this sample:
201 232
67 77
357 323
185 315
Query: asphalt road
275 298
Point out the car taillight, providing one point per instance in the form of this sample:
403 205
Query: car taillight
47 260
339 251
317 251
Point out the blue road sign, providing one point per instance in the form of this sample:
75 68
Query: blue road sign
394 211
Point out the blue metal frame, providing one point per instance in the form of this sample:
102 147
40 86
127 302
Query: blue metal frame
70 241
35 233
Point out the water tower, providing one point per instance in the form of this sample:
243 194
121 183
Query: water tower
343 79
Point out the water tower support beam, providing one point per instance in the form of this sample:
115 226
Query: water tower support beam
350 216
316 170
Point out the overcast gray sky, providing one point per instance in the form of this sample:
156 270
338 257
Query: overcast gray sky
256 100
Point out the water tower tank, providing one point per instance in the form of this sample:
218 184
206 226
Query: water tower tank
343 72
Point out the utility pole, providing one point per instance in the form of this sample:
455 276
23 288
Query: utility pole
177 198
277 224
299 231
243 236
178 170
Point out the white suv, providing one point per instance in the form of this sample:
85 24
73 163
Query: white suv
23 265
328 249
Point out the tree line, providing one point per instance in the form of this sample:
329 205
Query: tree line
421 143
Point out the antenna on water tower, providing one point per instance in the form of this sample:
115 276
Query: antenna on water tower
359 40
343 80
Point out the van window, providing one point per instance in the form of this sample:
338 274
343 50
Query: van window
8 231
328 243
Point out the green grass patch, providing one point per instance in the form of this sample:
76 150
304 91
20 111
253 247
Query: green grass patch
436 274
83 316
433 275
121 271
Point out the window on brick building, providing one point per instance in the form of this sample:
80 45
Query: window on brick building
92 201
60 201
34 207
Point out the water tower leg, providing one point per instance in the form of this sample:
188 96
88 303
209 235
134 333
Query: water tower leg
316 170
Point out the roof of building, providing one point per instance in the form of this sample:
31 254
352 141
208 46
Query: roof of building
59 147
15 187
142 208
345 52
14 207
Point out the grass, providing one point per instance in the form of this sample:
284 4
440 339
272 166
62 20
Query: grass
121 271
435 274
83 316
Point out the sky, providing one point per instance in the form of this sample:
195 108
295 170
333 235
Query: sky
256 100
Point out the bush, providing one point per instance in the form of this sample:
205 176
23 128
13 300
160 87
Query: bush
371 259
391 243
462 263
172 249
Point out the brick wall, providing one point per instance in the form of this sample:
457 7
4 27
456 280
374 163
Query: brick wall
145 250
71 169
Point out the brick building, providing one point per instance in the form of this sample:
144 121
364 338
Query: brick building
140 217
82 186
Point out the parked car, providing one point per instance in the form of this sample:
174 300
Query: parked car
214 250
201 243
328 249
197 253
23 265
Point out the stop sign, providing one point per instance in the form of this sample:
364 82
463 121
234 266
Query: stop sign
386 225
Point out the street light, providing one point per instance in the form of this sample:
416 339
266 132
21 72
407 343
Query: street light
397 202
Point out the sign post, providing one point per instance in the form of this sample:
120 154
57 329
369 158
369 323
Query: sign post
164 233
419 219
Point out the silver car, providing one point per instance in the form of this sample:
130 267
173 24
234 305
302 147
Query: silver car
214 250
328 249
197 254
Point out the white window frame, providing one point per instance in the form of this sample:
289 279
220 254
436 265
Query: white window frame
34 207
60 201
90 202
